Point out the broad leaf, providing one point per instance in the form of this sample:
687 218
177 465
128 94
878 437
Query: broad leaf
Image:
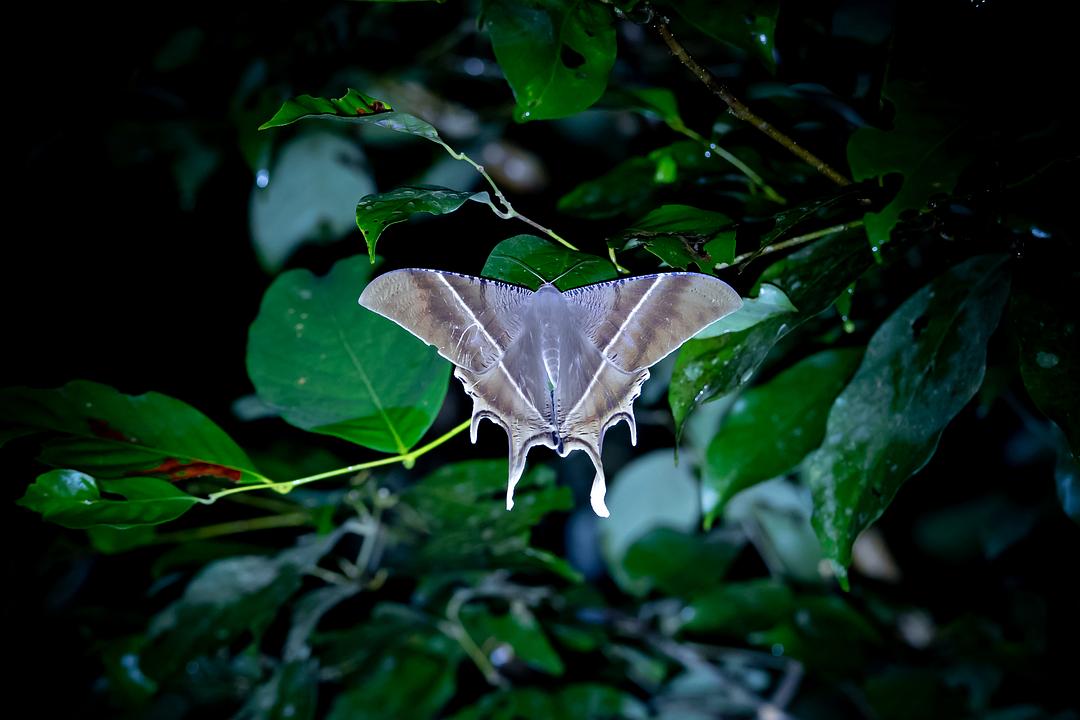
680 235
739 607
679 563
330 366
772 427
414 679
1046 332
456 517
73 499
374 213
571 702
111 435
309 194
352 107
520 634
928 145
556 54
812 278
749 25
513 258
921 367
770 301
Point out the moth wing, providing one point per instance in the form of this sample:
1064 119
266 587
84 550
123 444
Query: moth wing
471 321
637 322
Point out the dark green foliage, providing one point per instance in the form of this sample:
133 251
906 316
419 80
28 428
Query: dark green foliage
855 497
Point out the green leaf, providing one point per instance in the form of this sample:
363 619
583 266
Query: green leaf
291 693
770 301
556 54
739 607
650 491
547 259
749 25
309 194
457 517
927 145
226 599
1046 332
772 427
680 235
632 186
352 107
519 631
308 610
374 213
812 278
413 680
922 366
110 435
571 702
73 499
330 366
679 563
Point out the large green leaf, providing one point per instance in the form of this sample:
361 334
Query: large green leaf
556 54
330 366
928 145
572 702
680 235
513 258
226 599
375 212
352 107
110 435
812 278
1046 332
456 518
519 631
679 563
921 367
749 25
772 427
73 499
739 607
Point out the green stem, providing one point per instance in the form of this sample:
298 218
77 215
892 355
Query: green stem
284 487
508 210
753 177
266 522
791 242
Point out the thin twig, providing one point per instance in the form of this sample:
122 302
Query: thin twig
791 242
755 179
738 108
266 522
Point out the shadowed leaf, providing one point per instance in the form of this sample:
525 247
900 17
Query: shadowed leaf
548 260
374 213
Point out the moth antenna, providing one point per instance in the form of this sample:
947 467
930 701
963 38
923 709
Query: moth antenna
570 269
535 274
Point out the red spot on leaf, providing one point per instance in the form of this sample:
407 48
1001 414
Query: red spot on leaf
103 429
174 470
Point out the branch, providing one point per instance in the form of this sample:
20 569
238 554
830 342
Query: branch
740 110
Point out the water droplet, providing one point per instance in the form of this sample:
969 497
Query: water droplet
501 655
763 39
747 375
1039 232
708 154
474 66
1046 360
305 294
301 381
299 327
262 178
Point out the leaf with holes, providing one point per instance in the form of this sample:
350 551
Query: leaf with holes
556 54
922 366
74 500
330 366
110 435
510 258
374 213
929 144
680 235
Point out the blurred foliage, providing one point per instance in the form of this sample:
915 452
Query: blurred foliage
875 502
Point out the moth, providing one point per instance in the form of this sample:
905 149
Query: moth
552 368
